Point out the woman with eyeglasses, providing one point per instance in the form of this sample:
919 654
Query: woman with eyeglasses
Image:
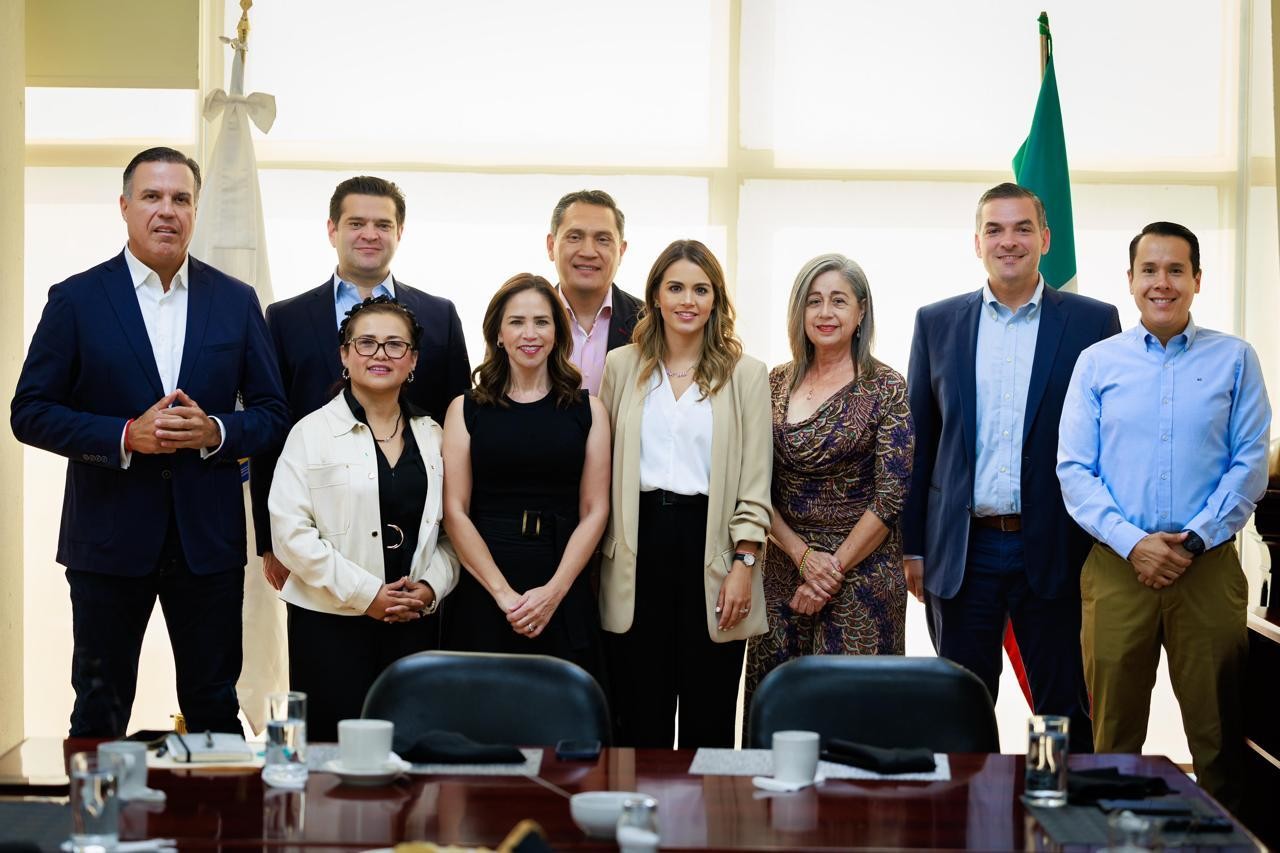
527 496
355 514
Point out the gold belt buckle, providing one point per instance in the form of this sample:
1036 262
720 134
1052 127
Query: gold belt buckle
537 525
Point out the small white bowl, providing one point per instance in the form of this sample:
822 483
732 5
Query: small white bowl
596 812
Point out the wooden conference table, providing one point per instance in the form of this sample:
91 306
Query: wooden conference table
979 808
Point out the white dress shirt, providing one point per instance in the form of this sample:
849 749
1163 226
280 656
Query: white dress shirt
164 313
675 439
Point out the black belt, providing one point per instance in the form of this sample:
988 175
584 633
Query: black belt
661 497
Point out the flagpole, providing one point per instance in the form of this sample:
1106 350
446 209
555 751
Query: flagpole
1044 42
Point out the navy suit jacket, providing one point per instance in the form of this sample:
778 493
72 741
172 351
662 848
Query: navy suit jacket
90 369
305 334
942 387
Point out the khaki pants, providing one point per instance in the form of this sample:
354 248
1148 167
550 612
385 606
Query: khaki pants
1200 620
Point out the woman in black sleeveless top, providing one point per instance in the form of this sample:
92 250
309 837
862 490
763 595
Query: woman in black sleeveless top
526 500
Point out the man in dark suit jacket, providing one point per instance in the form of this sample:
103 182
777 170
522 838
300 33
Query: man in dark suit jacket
987 378
153 505
586 244
366 220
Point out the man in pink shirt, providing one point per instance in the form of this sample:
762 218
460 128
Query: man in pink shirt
586 245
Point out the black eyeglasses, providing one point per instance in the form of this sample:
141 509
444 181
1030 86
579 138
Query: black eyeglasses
369 347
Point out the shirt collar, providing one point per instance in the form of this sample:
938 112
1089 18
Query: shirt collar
608 302
1189 333
340 286
1032 304
140 272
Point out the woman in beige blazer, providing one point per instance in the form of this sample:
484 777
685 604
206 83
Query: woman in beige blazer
355 515
680 590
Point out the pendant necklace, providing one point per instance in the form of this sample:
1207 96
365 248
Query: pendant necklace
395 429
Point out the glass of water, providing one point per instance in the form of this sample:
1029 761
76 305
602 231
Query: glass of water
286 759
95 806
1046 780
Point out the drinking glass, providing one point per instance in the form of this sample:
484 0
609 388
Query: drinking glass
638 826
286 760
95 806
1046 779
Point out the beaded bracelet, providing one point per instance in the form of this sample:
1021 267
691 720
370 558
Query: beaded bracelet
804 557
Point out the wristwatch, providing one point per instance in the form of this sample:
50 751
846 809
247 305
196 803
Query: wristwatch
748 560
1193 543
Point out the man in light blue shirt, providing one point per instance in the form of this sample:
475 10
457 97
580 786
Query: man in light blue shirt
1162 453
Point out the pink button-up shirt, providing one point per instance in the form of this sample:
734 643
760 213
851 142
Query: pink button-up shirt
590 348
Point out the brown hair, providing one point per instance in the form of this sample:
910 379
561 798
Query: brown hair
366 185
721 350
493 376
599 198
1011 190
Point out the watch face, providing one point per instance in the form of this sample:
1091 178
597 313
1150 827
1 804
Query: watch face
748 560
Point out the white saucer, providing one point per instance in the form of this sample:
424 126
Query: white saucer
373 776
777 786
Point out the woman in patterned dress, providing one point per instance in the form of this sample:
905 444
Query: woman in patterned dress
842 440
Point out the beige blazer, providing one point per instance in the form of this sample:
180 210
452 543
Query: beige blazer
738 506
326 524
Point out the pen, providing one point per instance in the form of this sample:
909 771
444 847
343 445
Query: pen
208 738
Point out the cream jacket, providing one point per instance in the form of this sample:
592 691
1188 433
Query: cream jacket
738 504
326 524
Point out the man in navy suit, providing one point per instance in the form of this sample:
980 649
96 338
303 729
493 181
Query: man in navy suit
366 221
125 369
986 536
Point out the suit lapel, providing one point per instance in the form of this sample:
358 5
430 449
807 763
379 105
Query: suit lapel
199 299
1053 319
124 301
322 319
967 318
621 321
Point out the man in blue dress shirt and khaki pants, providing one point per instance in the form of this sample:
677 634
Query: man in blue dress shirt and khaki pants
1162 453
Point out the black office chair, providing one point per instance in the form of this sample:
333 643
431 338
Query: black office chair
885 701
525 700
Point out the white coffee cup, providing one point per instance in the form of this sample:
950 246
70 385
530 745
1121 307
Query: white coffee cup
795 756
364 744
131 759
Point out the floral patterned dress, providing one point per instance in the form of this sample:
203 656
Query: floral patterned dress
852 455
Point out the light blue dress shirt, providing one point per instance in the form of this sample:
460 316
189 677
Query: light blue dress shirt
1164 438
1006 348
346 297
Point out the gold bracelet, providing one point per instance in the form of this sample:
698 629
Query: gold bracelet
803 557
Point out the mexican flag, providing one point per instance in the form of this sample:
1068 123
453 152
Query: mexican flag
1041 166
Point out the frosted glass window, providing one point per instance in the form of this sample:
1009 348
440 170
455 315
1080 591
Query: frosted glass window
943 85
146 116
570 82
465 234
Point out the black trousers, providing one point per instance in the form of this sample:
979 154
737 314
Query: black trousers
969 629
668 658
109 616
335 660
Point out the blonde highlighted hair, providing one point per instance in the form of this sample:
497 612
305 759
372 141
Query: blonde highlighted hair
802 349
720 351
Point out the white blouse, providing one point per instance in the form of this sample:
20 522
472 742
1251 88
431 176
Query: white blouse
675 439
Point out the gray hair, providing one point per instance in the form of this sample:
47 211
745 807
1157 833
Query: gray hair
801 347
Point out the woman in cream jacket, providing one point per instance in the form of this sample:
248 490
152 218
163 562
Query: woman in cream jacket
680 587
355 517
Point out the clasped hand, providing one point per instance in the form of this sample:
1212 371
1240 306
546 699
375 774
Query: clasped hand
530 613
1159 559
175 422
823 576
401 601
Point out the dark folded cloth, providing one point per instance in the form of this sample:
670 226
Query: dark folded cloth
877 758
1086 787
452 748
